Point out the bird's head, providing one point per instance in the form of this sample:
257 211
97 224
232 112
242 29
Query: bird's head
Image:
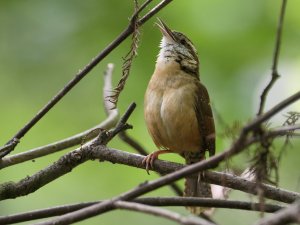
176 47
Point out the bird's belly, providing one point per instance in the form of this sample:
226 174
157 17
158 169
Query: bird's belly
171 119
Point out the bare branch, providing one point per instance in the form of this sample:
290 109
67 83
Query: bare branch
107 89
192 220
290 214
81 74
277 108
154 201
108 123
275 75
139 148
70 160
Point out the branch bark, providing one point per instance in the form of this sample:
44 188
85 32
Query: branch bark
290 214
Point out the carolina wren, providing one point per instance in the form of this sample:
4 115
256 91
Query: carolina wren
177 108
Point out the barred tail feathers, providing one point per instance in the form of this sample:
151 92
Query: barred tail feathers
194 186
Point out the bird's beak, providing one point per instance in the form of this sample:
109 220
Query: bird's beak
165 30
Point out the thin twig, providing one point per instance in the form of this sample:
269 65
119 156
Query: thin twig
82 73
267 115
108 123
275 75
290 214
139 148
138 207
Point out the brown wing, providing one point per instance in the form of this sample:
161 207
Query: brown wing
205 119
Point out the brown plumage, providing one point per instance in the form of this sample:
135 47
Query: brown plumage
177 108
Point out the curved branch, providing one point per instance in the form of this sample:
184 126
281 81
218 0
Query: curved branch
162 213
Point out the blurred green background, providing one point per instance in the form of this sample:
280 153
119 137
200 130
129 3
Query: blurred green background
44 43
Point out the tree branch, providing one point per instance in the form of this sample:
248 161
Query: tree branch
290 214
275 75
64 165
139 148
81 74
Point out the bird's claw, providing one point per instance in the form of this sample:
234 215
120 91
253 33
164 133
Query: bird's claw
149 160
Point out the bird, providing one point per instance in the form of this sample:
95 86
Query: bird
177 109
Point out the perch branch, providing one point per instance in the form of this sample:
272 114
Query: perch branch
275 75
139 148
13 190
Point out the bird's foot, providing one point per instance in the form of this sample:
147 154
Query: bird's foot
149 159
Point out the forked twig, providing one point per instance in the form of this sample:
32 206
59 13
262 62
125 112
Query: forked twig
275 75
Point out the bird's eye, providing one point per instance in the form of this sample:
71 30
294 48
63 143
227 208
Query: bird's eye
183 42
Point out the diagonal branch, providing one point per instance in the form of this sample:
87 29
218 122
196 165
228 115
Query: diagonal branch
275 75
81 74
108 123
